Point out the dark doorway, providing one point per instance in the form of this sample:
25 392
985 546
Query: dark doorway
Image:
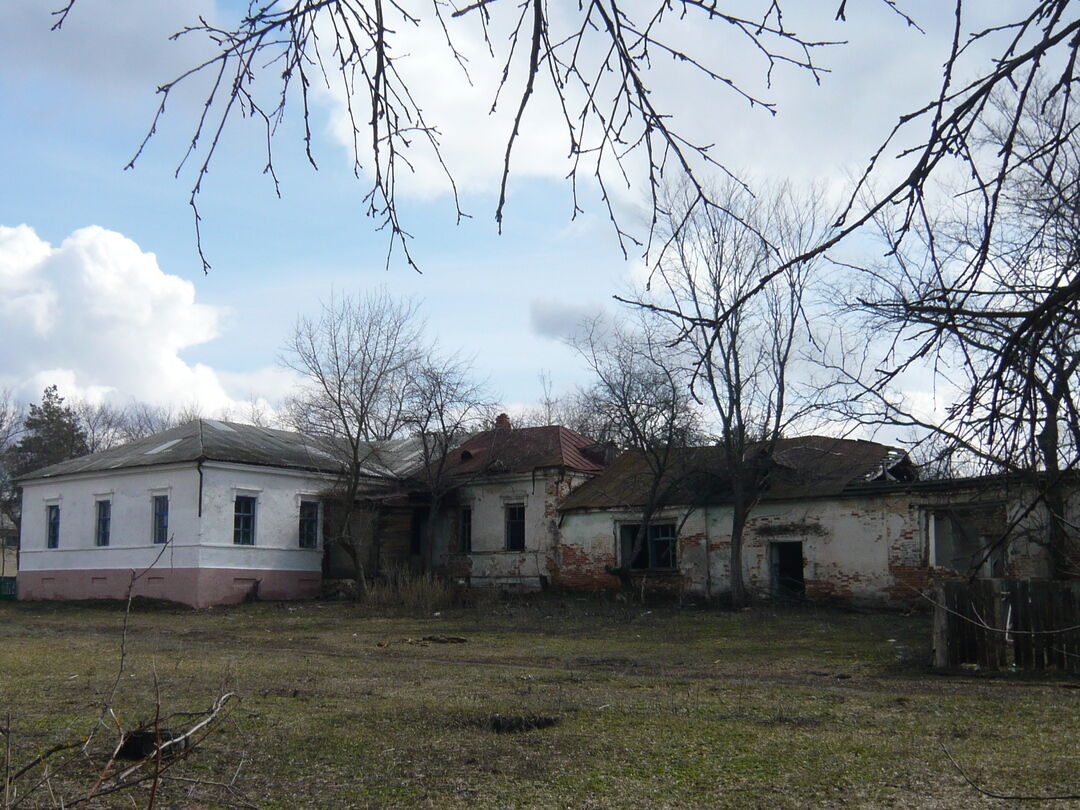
787 571
418 539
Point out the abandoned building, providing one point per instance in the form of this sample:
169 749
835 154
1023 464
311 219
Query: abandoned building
839 519
214 512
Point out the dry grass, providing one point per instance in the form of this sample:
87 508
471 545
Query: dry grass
344 706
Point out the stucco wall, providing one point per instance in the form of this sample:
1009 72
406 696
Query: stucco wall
871 548
200 566
490 563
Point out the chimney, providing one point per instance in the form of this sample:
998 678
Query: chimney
502 422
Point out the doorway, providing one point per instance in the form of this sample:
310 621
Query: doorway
787 570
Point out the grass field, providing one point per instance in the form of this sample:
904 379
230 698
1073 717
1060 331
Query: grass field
652 706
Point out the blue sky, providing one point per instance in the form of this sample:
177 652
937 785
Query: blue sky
77 103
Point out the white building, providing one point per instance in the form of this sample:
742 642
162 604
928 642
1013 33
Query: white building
206 513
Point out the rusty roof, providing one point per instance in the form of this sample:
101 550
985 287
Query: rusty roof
522 450
216 440
804 467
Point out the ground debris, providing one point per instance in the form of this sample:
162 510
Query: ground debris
512 723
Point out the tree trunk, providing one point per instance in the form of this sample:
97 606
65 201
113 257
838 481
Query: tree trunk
738 524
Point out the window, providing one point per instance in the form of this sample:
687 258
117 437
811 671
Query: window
244 521
52 523
968 538
161 519
657 550
309 524
515 527
104 518
466 530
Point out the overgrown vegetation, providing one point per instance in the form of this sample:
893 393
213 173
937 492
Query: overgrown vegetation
648 706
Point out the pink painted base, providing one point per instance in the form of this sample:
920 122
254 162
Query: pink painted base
198 587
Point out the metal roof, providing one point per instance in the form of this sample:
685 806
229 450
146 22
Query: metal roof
804 467
216 440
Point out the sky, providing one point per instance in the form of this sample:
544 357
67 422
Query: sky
102 291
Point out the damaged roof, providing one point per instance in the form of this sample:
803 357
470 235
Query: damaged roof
805 467
522 450
215 440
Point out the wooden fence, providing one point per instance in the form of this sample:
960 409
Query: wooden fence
1007 624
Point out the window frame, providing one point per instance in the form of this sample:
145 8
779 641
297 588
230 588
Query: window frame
102 522
514 539
52 525
244 535
650 547
307 521
159 529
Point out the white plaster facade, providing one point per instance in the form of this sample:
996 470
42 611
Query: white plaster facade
867 548
200 565
490 563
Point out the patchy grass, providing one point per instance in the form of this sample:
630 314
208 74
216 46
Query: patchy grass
599 704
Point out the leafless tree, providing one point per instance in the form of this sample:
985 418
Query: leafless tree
360 360
641 395
742 349
105 425
1004 346
446 403
599 60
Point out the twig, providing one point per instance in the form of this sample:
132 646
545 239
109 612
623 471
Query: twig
1009 796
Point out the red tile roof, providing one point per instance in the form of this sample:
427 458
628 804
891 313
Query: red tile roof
522 450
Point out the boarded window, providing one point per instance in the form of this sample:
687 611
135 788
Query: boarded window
654 551
244 521
515 527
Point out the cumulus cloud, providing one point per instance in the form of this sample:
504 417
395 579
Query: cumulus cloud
99 318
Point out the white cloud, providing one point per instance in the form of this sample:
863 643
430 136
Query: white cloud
100 319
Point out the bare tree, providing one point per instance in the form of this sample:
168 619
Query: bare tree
641 396
742 349
1006 370
105 425
446 404
599 60
360 360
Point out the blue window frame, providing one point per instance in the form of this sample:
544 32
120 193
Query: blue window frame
104 519
52 524
309 524
161 519
244 521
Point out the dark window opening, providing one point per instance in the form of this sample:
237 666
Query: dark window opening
244 521
787 570
655 551
309 524
515 527
52 522
104 518
419 529
466 530
161 518
969 539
